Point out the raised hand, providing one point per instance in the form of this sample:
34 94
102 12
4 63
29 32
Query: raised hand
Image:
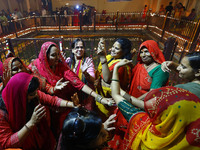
108 123
38 113
60 85
85 65
101 47
165 66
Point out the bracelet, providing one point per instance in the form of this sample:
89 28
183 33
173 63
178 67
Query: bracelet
27 127
99 98
104 62
90 93
67 103
127 97
115 80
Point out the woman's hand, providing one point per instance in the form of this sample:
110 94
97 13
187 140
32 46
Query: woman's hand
101 47
85 65
107 101
60 85
165 66
75 100
123 62
38 113
107 124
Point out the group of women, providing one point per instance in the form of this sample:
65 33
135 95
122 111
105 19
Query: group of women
132 101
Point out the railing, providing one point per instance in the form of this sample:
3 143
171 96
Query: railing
185 32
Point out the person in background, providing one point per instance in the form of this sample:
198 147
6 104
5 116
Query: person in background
169 8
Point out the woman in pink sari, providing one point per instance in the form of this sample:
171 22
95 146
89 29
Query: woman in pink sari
25 123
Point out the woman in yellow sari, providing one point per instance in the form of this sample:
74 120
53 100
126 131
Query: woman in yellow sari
170 119
121 49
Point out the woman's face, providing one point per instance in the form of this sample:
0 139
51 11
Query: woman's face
32 95
101 138
185 70
78 50
116 50
53 56
17 67
146 56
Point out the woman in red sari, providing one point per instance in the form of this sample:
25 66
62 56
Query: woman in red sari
24 121
14 65
51 65
147 74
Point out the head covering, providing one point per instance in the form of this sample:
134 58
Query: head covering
15 98
43 67
153 49
7 68
171 121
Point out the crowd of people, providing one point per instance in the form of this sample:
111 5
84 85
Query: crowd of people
177 11
58 103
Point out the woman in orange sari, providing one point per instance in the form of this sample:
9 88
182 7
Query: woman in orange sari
164 123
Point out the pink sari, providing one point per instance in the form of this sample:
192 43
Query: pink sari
15 99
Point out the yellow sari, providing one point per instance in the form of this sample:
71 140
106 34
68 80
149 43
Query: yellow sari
171 121
104 88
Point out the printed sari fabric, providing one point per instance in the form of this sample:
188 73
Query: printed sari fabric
40 67
86 100
171 121
15 117
141 81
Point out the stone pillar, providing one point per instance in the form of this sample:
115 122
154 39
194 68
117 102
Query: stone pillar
158 5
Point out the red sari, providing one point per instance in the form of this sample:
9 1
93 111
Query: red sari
15 98
141 81
7 67
40 67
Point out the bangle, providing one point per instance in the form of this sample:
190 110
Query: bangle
90 93
104 62
99 98
127 97
115 80
67 103
27 127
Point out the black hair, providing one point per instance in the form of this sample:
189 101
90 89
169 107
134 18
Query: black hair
126 47
72 60
33 85
79 129
16 58
48 50
194 60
